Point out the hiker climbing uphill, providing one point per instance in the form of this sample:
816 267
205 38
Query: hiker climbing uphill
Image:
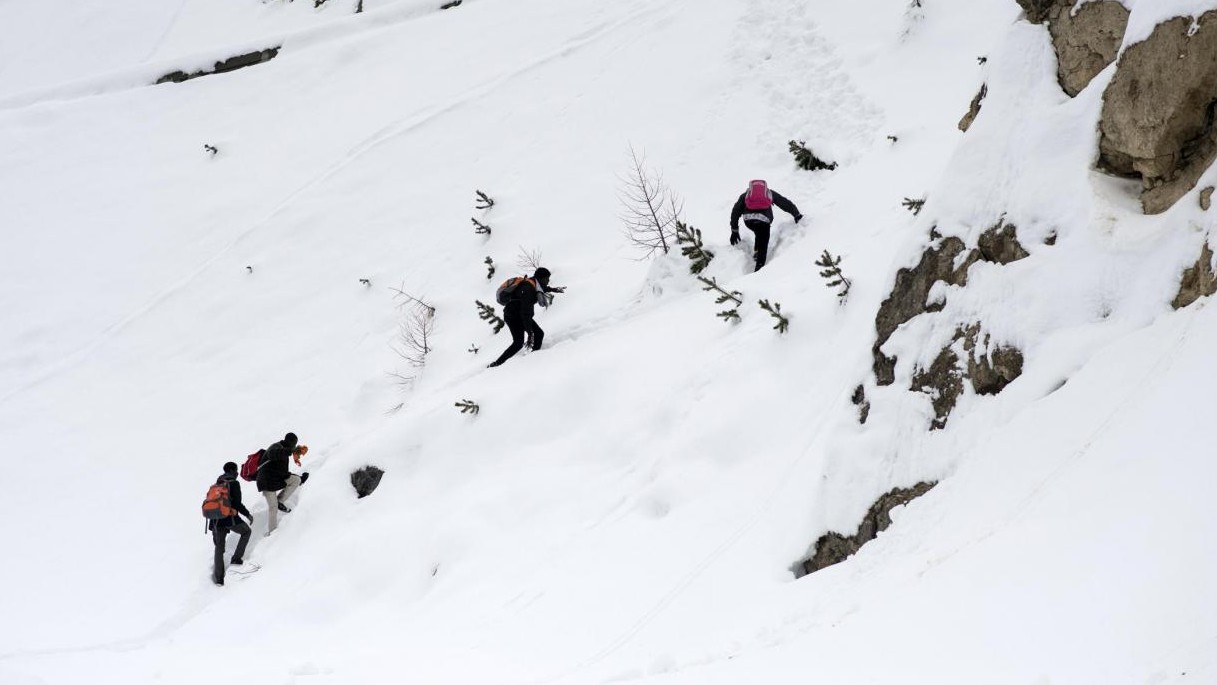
519 296
755 207
276 482
222 509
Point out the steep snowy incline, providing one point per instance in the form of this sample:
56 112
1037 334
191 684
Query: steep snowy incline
629 501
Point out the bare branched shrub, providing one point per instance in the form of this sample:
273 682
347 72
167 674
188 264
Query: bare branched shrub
528 260
415 332
650 209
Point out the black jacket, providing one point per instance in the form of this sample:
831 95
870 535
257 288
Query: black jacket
522 301
273 469
764 215
234 498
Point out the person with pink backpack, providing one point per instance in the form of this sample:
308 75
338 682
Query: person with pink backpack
755 207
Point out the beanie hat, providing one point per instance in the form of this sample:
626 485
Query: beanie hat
230 467
290 440
541 274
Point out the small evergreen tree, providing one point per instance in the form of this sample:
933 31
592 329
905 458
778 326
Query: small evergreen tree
489 268
689 239
479 227
483 201
211 149
490 316
729 315
831 272
775 310
468 407
366 282
912 205
805 159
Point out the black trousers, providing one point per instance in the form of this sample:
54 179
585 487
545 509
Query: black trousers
760 229
521 326
220 535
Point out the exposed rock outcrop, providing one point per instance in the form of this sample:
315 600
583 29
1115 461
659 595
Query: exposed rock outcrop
1198 280
974 109
989 369
1086 41
230 64
1037 10
833 548
1206 198
909 297
1158 112
910 294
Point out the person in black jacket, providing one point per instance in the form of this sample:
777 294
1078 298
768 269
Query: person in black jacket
519 311
759 220
275 480
221 527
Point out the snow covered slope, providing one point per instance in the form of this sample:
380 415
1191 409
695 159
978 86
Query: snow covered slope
629 501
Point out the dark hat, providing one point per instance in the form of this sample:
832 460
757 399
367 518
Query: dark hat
541 274
290 440
230 467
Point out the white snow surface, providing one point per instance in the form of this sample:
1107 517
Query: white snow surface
629 502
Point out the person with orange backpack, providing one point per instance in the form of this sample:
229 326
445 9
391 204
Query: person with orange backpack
519 296
221 509
755 207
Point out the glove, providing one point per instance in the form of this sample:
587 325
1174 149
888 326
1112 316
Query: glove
734 237
798 218
557 289
303 478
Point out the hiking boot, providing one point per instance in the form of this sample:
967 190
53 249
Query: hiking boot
237 561
218 581
284 508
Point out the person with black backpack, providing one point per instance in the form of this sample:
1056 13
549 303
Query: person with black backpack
519 296
755 207
220 527
276 482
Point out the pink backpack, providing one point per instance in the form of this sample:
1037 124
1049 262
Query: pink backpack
758 196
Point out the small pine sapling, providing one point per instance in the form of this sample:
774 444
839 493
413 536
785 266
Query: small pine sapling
479 227
730 315
211 149
468 407
249 269
489 268
775 310
490 316
483 201
831 272
473 349
912 205
982 60
689 239
366 282
805 159
894 139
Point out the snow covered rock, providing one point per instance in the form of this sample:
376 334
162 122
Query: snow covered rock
833 548
1198 280
974 109
365 480
910 296
1158 111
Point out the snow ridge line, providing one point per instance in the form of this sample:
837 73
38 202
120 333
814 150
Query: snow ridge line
367 145
144 75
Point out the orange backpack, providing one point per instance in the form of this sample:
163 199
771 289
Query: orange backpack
217 506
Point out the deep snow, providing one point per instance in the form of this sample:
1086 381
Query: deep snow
629 501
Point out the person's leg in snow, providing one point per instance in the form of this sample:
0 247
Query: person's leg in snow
275 499
535 335
517 324
219 536
760 230
242 529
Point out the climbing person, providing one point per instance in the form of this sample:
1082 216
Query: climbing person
276 482
519 296
222 526
755 207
